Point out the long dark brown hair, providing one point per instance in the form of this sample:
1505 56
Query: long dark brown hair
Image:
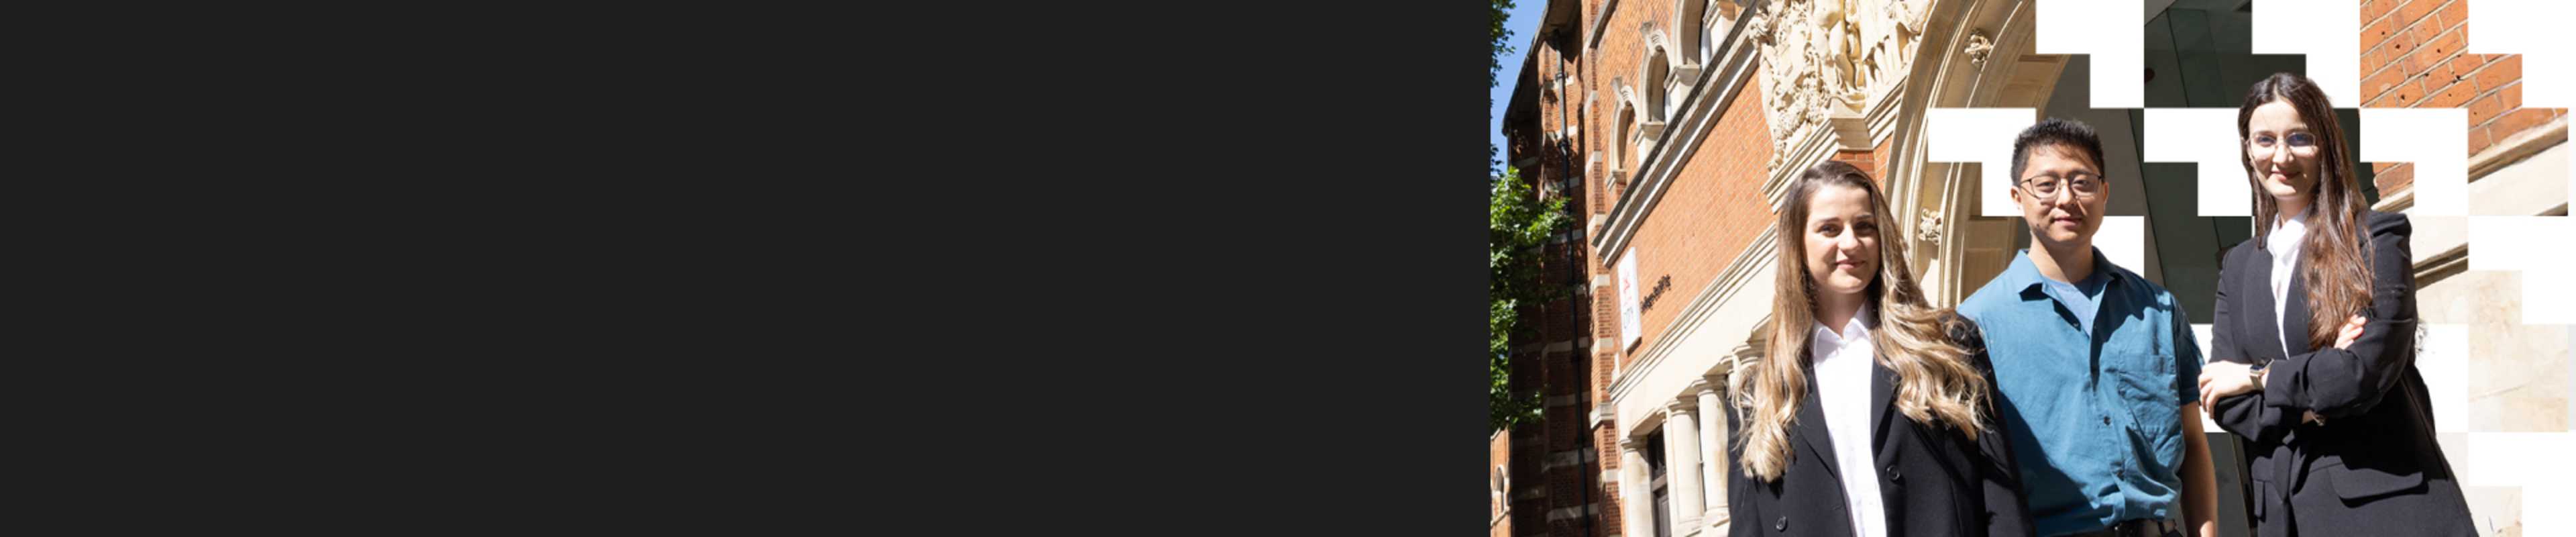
1935 383
2335 268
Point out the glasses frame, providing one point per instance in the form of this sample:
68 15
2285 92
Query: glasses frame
2025 186
2315 147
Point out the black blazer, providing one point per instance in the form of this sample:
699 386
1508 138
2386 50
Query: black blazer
2373 467
1932 479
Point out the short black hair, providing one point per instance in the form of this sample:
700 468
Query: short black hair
2055 131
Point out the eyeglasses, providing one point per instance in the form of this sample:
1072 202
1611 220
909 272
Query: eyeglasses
2262 146
2085 185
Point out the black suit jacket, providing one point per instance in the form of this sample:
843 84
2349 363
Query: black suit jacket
2373 467
1932 479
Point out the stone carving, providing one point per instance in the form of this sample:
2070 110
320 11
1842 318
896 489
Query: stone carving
1906 19
1978 48
1788 78
1628 104
1837 43
1827 58
1655 38
1928 227
1889 30
1759 29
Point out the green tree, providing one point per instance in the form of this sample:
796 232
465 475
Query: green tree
1517 230
1502 45
1518 227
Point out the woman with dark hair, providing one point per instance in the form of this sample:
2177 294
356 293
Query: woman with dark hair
1873 412
2313 350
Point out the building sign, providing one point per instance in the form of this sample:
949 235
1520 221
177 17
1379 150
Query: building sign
1629 306
1662 283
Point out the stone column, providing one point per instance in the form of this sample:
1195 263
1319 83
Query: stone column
1681 463
1712 447
1636 490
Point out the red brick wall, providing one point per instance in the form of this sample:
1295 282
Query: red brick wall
1615 57
1712 211
1873 161
1563 427
1619 55
1867 161
2411 58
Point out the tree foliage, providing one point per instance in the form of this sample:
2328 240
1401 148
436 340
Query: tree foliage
1502 43
1517 231
1518 228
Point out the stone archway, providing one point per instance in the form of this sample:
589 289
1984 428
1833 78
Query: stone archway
1851 79
1980 57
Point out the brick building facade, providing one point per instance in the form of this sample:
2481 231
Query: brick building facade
1673 126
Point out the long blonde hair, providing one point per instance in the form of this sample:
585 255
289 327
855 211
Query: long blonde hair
1936 383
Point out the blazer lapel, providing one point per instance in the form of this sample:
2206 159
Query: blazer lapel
1810 428
1882 395
2267 335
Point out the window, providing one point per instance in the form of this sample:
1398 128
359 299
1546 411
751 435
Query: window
1711 27
1620 148
1663 496
1692 26
1657 69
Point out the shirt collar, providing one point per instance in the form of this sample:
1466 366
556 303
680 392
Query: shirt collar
2285 234
1855 330
2025 275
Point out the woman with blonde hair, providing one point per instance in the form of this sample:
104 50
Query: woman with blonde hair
1873 412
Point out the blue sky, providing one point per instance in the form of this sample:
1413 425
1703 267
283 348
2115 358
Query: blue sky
1524 16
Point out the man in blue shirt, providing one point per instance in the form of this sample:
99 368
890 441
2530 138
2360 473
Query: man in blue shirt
2096 365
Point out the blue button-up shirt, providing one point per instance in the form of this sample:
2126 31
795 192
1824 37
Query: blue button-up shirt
2095 415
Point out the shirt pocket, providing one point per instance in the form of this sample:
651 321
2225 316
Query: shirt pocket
2147 391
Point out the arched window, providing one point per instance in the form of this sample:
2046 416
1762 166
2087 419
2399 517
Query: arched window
1689 25
1626 120
1667 93
1627 139
1654 75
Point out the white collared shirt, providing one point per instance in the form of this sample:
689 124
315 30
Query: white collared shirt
1844 363
2283 242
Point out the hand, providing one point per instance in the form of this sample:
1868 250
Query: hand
2223 379
2351 331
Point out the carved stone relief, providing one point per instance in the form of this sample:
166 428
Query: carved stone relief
1927 227
1978 48
1825 59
